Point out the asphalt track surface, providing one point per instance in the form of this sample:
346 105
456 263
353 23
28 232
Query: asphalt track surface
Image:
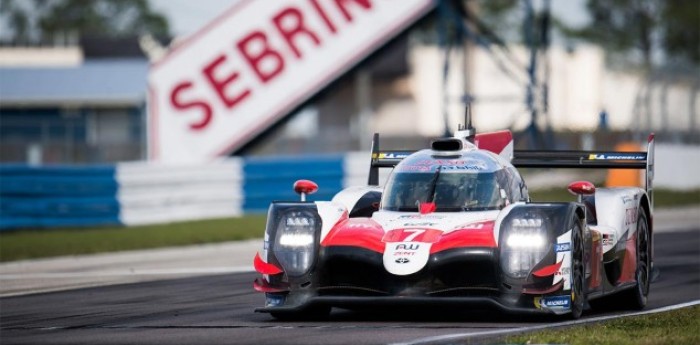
219 310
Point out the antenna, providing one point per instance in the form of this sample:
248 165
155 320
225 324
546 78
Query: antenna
469 130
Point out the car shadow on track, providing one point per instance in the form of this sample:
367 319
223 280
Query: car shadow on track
430 316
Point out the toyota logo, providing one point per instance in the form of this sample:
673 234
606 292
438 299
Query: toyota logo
402 261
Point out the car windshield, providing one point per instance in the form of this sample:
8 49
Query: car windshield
450 191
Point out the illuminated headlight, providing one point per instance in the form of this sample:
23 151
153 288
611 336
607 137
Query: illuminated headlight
525 245
295 246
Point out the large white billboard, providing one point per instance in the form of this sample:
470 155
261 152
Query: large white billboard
226 84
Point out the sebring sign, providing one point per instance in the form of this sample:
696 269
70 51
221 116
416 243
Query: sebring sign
226 84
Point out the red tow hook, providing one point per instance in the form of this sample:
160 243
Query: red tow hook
264 267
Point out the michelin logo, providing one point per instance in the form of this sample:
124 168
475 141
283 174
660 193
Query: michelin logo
617 156
563 247
563 302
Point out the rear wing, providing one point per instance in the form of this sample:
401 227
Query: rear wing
383 159
536 159
593 160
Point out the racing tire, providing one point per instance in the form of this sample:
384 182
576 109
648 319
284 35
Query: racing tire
637 297
578 271
315 313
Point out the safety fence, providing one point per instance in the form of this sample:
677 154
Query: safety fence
137 193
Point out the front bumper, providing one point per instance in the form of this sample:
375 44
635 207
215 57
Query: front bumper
355 278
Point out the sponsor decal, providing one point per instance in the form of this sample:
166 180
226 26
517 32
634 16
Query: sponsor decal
446 165
626 199
464 167
402 260
409 246
564 271
420 224
617 156
554 302
393 155
404 253
418 216
473 226
608 239
413 168
562 247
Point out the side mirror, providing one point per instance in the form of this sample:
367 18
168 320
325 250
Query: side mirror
305 187
581 188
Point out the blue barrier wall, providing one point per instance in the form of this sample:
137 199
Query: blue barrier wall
146 193
37 197
269 179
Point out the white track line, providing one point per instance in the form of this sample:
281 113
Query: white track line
464 336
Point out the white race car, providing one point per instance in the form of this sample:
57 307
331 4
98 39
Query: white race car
454 225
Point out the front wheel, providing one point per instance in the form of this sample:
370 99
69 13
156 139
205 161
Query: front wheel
578 274
637 297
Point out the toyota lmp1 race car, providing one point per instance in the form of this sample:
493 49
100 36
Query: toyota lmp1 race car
454 226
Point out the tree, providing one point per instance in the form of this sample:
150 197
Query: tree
681 27
113 18
645 27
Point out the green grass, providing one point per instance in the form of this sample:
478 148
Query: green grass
675 327
28 244
53 242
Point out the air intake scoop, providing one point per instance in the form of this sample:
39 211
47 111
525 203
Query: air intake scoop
450 144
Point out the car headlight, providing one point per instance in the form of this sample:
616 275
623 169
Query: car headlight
524 246
295 247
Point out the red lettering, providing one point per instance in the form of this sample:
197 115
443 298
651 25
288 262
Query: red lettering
323 15
257 57
219 85
184 105
342 3
290 23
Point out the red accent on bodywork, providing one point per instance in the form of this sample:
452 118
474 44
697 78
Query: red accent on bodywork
472 235
262 286
581 188
305 186
549 289
548 270
356 232
264 267
629 264
494 141
651 137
